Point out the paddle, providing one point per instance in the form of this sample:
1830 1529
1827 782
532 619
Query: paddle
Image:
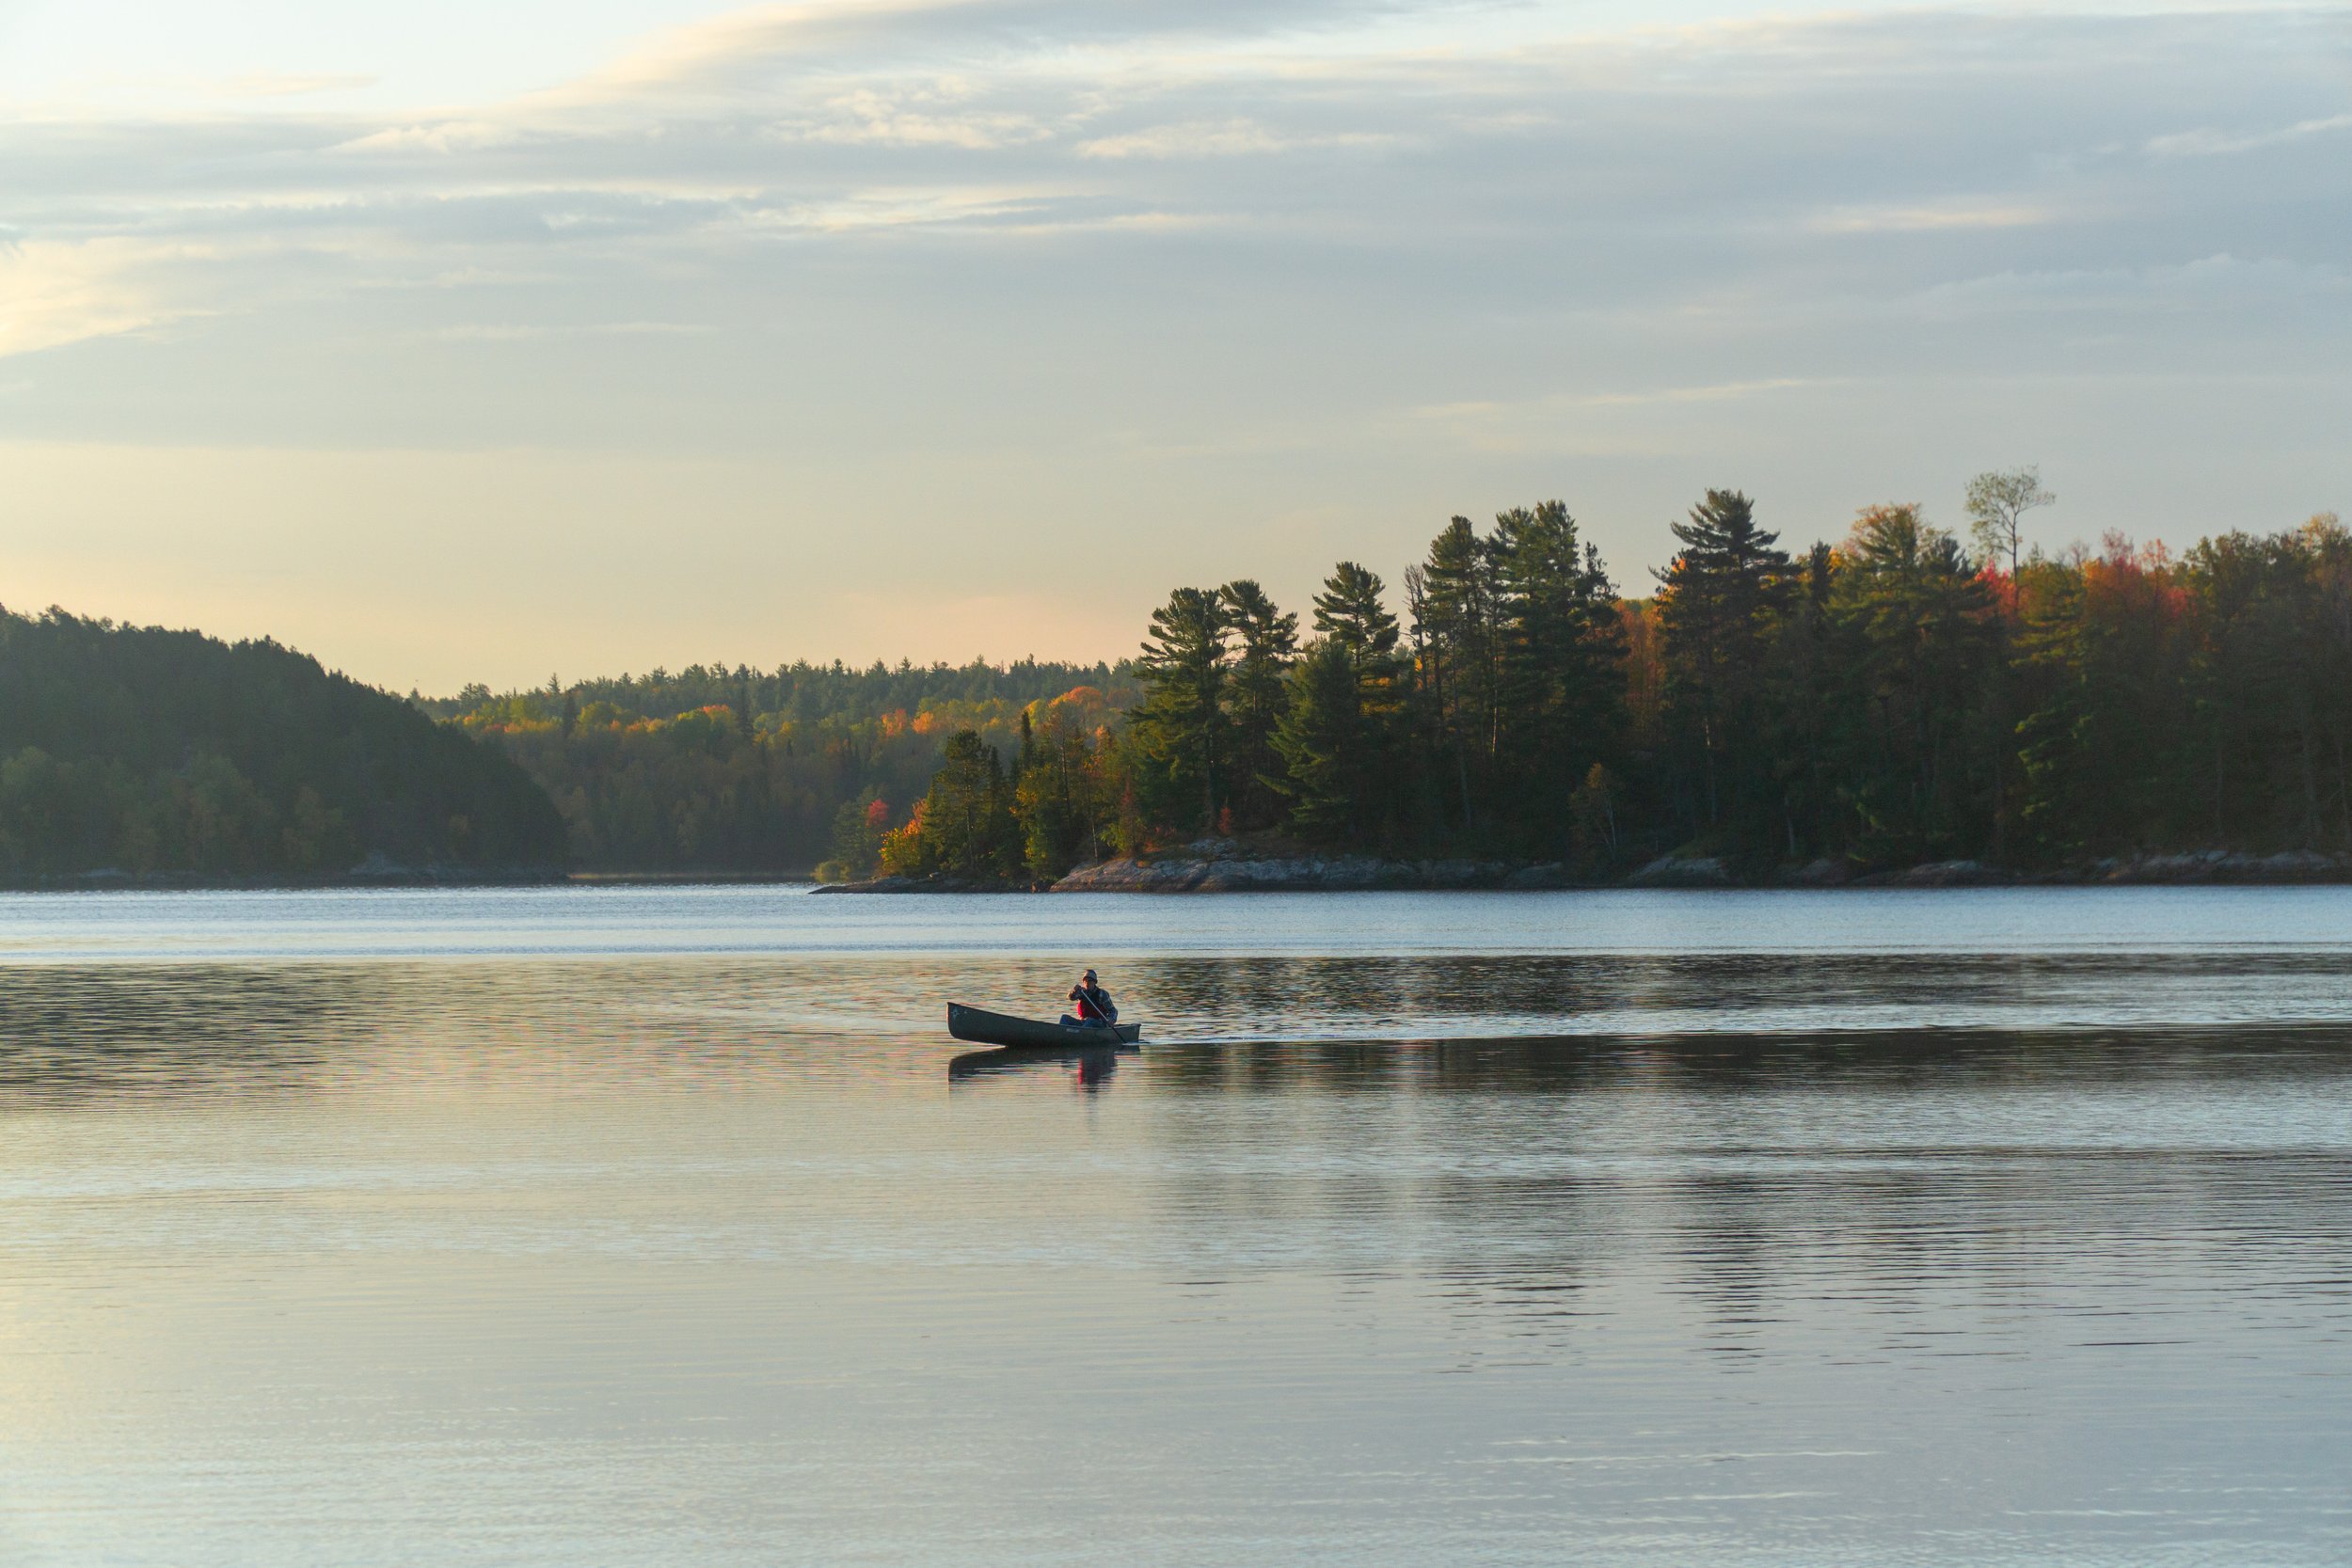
1084 995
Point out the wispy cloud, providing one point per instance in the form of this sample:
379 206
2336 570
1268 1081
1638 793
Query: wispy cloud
2217 282
1557 404
1228 138
442 137
51 294
1353 190
507 332
1931 217
2209 143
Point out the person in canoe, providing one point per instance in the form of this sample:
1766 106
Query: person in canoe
1095 1005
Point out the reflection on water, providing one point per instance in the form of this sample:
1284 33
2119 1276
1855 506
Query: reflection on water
1090 1067
1994 1253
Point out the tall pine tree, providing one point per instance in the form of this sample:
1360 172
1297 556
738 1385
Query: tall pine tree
1180 728
1339 739
1266 645
1562 665
1716 608
1459 675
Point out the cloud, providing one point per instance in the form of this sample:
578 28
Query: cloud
1229 138
1725 392
2217 282
501 332
885 208
733 49
1613 422
51 294
2210 143
931 114
1930 218
444 137
744 49
1650 206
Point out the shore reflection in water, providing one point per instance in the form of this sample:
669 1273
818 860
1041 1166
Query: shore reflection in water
2003 1253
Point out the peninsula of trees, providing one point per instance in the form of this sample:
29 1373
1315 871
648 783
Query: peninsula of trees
156 753
1892 699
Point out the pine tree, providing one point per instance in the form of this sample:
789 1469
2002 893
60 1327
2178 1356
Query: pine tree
1562 664
1800 711
1319 740
1924 637
1353 620
1459 677
967 822
1180 728
1255 697
1716 604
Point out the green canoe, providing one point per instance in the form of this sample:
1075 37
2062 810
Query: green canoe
1027 1034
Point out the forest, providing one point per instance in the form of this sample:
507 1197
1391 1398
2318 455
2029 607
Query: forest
1900 696
742 770
151 753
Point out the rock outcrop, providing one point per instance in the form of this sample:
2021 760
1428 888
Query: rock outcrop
2221 865
924 884
1682 871
1221 865
1946 874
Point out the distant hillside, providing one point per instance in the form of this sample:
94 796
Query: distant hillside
802 693
152 751
764 770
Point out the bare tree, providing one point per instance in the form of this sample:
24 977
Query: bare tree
1997 504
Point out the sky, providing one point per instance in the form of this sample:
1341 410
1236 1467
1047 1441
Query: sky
486 341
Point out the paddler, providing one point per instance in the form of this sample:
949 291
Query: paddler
1094 1003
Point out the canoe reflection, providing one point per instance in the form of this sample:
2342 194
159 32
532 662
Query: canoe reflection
1092 1065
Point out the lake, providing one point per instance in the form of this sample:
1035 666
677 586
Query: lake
658 1225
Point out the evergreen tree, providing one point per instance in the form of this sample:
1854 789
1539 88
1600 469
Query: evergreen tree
1321 741
1801 713
1924 635
1562 666
1351 617
1716 607
858 830
2276 620
968 823
1180 727
1459 674
1256 695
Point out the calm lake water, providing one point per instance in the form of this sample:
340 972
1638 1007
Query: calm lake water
624 1226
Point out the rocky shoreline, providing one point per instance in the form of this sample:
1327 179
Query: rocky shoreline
1224 866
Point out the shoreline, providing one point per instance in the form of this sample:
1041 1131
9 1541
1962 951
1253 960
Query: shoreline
1224 870
106 880
1232 871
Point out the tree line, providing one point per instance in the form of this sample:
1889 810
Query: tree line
148 752
1898 696
739 769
